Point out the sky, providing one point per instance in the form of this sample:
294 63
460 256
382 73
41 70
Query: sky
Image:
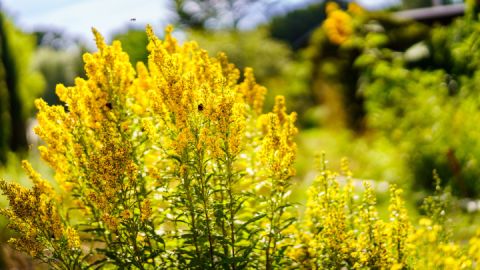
76 17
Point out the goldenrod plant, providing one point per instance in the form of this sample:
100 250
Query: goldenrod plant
341 230
173 165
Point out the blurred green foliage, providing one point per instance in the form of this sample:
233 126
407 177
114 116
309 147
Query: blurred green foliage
134 42
373 156
4 115
413 85
58 66
19 83
334 77
429 106
11 171
455 48
410 4
58 57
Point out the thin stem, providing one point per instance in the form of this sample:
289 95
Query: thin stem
192 213
231 204
205 195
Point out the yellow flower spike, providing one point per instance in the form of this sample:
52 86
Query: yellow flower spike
149 128
345 167
40 185
150 33
279 148
399 225
73 240
230 72
99 40
33 213
146 210
253 93
110 221
170 43
280 109
126 214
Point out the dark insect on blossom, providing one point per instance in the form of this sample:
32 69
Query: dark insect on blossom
109 105
200 107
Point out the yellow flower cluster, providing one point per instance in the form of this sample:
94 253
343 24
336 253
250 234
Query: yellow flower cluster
474 248
339 232
34 215
431 250
253 93
73 240
278 146
338 25
160 148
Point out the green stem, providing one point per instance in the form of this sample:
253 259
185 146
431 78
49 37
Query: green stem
192 214
231 208
205 195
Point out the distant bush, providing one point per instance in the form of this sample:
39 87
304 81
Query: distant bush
426 100
414 85
333 49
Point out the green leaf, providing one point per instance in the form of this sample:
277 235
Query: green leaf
244 225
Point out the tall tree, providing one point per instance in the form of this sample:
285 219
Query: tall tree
19 86
4 103
14 135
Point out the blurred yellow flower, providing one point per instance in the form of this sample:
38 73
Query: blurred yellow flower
330 7
355 9
338 26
